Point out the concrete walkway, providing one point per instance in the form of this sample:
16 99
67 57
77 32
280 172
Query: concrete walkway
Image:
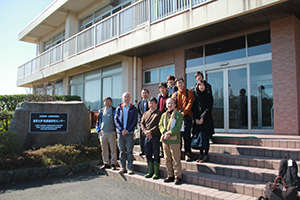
82 186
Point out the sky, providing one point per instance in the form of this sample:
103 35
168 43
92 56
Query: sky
14 16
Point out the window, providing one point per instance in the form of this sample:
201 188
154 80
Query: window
259 43
54 40
158 75
261 95
99 14
194 57
55 88
225 50
94 85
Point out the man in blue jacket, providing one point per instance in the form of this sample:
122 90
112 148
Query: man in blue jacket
126 117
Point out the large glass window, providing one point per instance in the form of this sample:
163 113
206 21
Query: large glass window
92 97
94 85
217 85
108 85
194 57
116 89
237 98
151 76
77 90
225 50
101 13
261 95
157 75
259 43
243 93
54 40
190 80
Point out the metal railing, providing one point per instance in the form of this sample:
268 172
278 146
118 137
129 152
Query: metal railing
137 15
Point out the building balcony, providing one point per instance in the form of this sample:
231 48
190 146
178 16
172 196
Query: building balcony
138 30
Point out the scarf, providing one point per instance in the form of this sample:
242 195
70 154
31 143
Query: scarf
172 117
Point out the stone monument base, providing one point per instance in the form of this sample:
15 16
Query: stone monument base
77 130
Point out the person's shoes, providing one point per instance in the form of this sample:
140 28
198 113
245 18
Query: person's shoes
169 179
188 157
130 172
122 171
156 171
204 159
142 153
200 158
105 166
211 141
177 181
113 167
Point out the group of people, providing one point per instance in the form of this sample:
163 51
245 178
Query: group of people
163 122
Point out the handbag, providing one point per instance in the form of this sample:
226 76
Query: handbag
279 191
199 141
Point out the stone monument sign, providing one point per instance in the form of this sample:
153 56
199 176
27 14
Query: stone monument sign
47 123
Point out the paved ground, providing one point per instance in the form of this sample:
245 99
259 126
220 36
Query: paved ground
83 186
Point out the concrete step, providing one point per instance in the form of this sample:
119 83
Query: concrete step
223 183
236 171
227 154
272 152
184 190
250 161
264 140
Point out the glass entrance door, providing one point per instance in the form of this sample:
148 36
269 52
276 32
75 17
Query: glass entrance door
230 108
216 80
237 98
243 97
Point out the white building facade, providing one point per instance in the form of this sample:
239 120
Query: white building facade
247 51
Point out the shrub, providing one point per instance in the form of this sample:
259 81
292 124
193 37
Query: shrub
5 119
50 155
10 102
9 143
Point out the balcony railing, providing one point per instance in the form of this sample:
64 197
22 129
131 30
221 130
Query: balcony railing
140 14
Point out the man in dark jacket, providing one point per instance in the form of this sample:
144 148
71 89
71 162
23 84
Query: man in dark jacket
142 107
161 103
149 126
126 117
162 97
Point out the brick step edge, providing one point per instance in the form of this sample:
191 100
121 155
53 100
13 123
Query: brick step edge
236 171
263 142
248 151
255 151
244 160
184 190
230 184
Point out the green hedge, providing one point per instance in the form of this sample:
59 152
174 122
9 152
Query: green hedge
5 119
10 102
9 143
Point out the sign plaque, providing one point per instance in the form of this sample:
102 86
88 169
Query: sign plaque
48 122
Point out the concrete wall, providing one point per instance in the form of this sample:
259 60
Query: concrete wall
183 22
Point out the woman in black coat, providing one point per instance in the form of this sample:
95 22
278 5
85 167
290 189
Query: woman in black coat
203 102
